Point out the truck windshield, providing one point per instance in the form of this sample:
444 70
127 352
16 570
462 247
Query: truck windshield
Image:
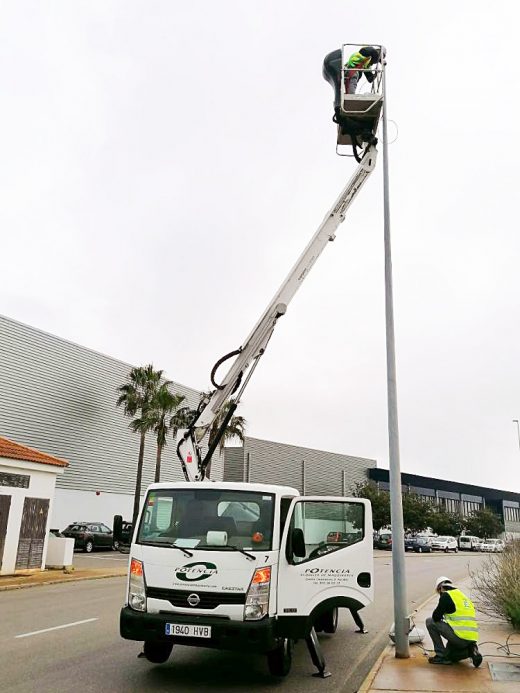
208 519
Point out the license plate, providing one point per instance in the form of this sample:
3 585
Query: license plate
184 630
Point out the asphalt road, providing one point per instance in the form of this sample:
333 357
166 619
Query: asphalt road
38 653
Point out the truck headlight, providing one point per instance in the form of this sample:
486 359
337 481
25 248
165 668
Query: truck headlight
257 597
136 586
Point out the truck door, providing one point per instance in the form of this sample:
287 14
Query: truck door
326 559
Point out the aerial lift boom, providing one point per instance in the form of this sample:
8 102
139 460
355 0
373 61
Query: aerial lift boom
190 450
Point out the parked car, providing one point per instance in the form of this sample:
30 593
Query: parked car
90 535
444 544
384 541
492 545
409 543
126 532
469 543
55 532
422 544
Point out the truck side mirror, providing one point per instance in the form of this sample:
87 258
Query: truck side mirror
298 543
117 528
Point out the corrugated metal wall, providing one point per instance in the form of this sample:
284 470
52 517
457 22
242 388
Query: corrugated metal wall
234 464
60 398
320 472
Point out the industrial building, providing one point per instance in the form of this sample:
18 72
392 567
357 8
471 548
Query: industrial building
312 472
458 497
60 398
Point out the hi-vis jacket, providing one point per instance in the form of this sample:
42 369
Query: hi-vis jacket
358 61
462 620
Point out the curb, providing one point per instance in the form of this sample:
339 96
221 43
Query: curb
7 588
369 678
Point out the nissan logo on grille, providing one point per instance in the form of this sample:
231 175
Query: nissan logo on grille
193 599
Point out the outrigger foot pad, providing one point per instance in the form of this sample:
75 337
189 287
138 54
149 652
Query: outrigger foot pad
313 645
322 675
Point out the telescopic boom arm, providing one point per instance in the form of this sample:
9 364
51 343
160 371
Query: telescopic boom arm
190 448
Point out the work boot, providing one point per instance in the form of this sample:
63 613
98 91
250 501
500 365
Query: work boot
437 659
475 655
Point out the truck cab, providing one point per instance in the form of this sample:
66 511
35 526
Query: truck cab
244 566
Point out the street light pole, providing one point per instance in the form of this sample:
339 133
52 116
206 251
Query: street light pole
401 620
517 430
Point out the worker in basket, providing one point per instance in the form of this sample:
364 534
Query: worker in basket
454 620
357 66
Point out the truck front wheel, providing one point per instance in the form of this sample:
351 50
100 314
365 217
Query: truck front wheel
157 652
327 622
330 621
279 661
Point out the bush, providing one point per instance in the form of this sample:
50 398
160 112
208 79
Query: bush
498 584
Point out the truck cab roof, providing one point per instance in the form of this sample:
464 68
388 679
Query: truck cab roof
230 486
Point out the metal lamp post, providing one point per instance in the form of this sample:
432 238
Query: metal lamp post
401 620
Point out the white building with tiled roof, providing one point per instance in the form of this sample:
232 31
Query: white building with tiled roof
27 487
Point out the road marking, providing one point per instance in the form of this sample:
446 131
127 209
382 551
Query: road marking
105 558
46 630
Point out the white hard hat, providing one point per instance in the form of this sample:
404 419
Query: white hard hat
442 579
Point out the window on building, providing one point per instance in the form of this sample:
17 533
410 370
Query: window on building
511 514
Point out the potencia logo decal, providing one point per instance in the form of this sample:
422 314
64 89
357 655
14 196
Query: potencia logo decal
193 572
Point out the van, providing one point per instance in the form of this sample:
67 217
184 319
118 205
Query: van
469 543
245 567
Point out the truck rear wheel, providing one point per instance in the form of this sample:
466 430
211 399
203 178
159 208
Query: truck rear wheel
279 661
157 652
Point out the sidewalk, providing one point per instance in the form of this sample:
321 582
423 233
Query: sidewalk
497 673
52 577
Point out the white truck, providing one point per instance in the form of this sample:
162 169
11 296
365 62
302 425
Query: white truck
248 566
245 566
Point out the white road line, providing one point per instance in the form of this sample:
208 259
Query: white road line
105 558
65 625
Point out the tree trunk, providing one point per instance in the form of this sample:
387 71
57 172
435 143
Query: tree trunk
139 475
158 464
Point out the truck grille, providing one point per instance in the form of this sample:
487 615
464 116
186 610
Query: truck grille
208 600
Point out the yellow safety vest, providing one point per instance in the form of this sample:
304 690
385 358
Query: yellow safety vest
359 61
463 620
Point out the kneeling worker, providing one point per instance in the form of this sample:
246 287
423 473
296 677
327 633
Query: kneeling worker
454 620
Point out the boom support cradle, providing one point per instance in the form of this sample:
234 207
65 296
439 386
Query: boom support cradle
190 448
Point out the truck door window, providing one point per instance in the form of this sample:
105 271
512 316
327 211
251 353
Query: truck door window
328 526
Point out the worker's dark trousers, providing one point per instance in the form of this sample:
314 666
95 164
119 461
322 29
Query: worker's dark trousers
436 629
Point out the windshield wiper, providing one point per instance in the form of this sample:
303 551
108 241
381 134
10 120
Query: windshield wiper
169 545
251 556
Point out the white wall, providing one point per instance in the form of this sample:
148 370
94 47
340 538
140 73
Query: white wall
85 506
41 485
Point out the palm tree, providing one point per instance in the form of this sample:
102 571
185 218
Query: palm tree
162 418
135 396
235 428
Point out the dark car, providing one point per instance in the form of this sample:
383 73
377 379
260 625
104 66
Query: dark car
384 541
422 545
90 535
126 532
409 544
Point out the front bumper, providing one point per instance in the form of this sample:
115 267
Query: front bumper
257 636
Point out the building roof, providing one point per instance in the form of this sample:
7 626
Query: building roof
15 451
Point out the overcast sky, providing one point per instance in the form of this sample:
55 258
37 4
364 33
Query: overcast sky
164 164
